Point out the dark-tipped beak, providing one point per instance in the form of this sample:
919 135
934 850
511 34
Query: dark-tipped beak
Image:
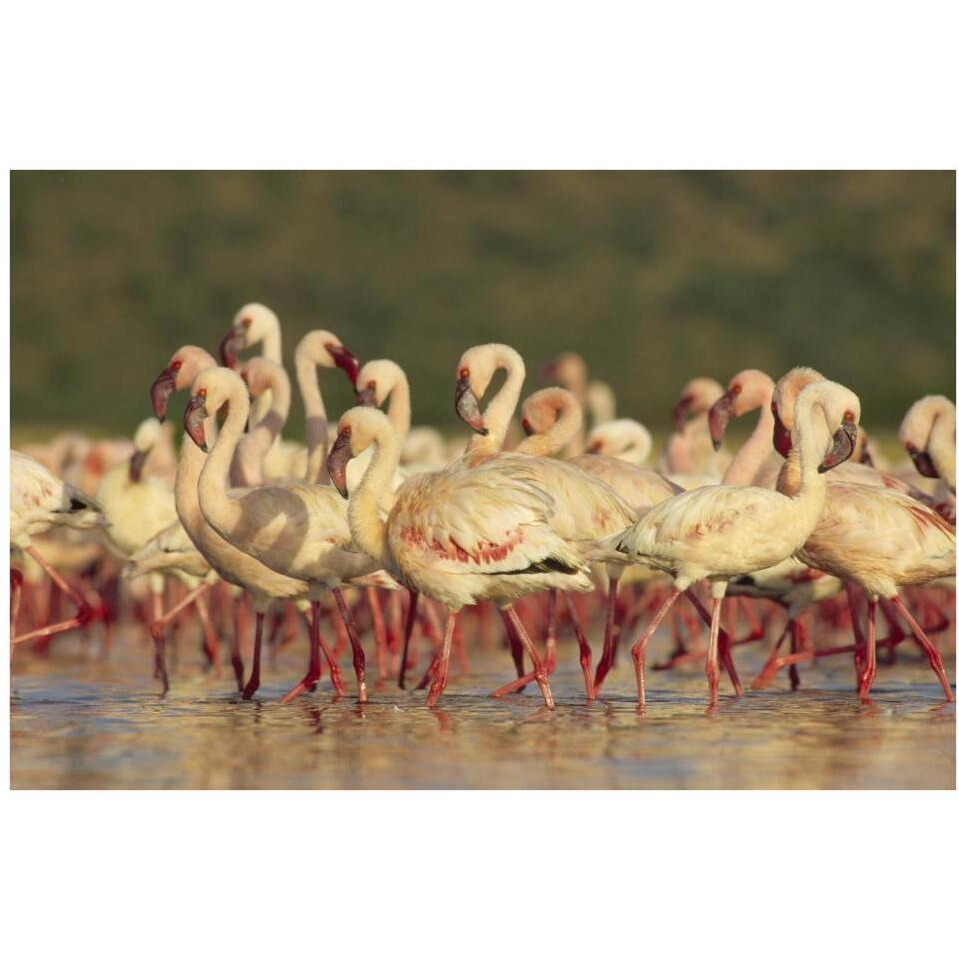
843 443
346 361
923 462
467 406
681 412
719 414
781 438
366 397
340 454
231 344
193 417
164 386
136 465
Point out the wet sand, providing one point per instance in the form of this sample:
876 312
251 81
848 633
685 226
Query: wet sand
81 722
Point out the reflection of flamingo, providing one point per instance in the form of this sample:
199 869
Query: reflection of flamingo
718 532
298 531
38 502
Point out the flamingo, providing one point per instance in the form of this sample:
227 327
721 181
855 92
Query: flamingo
300 531
881 540
928 433
718 532
39 502
624 439
590 506
231 564
569 371
464 534
688 457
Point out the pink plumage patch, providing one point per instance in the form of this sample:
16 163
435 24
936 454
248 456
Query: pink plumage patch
484 553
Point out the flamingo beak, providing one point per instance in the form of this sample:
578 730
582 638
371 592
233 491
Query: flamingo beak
923 462
340 454
681 412
843 444
231 344
136 465
164 386
527 427
781 437
719 414
366 397
193 417
467 406
346 361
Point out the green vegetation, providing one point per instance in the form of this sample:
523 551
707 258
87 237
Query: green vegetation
653 277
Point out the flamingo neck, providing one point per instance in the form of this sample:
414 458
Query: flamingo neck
366 503
221 510
753 453
569 422
942 446
317 424
812 441
251 452
499 412
400 413
185 487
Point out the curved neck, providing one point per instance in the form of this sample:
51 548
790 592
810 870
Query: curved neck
221 510
185 487
812 440
942 446
752 455
366 522
569 422
499 412
272 345
252 450
317 424
400 412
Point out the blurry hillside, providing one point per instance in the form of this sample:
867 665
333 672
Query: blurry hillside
654 277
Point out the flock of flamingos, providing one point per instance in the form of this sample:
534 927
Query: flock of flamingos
379 527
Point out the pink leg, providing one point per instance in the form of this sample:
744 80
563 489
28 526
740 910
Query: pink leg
932 654
236 645
211 639
314 670
551 618
407 632
724 650
712 653
359 659
869 673
860 655
509 615
83 607
443 668
253 684
379 632
609 639
639 649
158 628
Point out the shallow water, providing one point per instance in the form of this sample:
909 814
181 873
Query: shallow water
82 722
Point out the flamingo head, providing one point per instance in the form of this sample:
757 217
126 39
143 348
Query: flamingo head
375 381
183 368
357 429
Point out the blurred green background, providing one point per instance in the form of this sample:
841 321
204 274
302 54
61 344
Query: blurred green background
653 277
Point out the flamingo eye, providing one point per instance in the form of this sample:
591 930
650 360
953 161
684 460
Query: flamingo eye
247 321
201 393
346 431
848 416
464 372
176 364
737 389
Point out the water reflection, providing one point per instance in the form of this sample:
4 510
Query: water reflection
80 722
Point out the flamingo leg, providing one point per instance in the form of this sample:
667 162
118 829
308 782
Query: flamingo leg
712 653
407 632
16 591
725 653
551 620
932 654
83 614
359 659
509 615
770 667
610 637
211 639
236 644
253 684
869 673
314 670
860 654
379 632
443 666
639 649
158 628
